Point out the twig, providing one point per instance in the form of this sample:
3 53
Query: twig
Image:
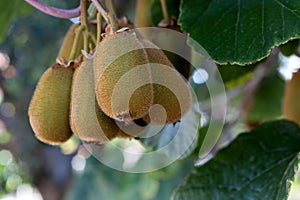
101 9
110 6
84 23
99 26
56 12
109 17
78 32
165 11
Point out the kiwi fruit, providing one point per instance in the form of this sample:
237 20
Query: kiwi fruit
49 108
122 53
87 121
115 56
68 42
291 106
176 104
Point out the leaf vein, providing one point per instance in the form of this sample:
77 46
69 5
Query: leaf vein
263 172
287 8
237 27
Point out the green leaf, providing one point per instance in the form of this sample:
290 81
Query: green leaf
233 75
257 165
290 47
10 10
156 10
242 31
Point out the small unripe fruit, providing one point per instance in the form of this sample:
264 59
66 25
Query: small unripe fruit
291 105
66 48
49 107
115 56
88 122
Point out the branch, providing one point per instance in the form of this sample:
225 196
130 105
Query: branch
165 11
56 12
110 18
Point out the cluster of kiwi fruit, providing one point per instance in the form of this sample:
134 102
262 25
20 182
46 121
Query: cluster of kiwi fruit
77 94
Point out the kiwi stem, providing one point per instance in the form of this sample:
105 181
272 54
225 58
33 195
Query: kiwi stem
93 38
99 26
143 14
110 18
84 23
165 11
94 14
56 12
112 21
110 6
75 44
101 9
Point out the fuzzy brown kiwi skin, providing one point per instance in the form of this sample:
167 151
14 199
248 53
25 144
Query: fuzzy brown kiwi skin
163 95
83 119
115 56
109 126
110 65
49 107
87 120
291 106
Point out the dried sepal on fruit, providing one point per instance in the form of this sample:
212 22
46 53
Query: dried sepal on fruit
49 107
291 106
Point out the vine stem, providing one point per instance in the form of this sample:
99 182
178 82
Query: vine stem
56 12
99 24
165 11
101 9
84 23
110 6
110 18
76 42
